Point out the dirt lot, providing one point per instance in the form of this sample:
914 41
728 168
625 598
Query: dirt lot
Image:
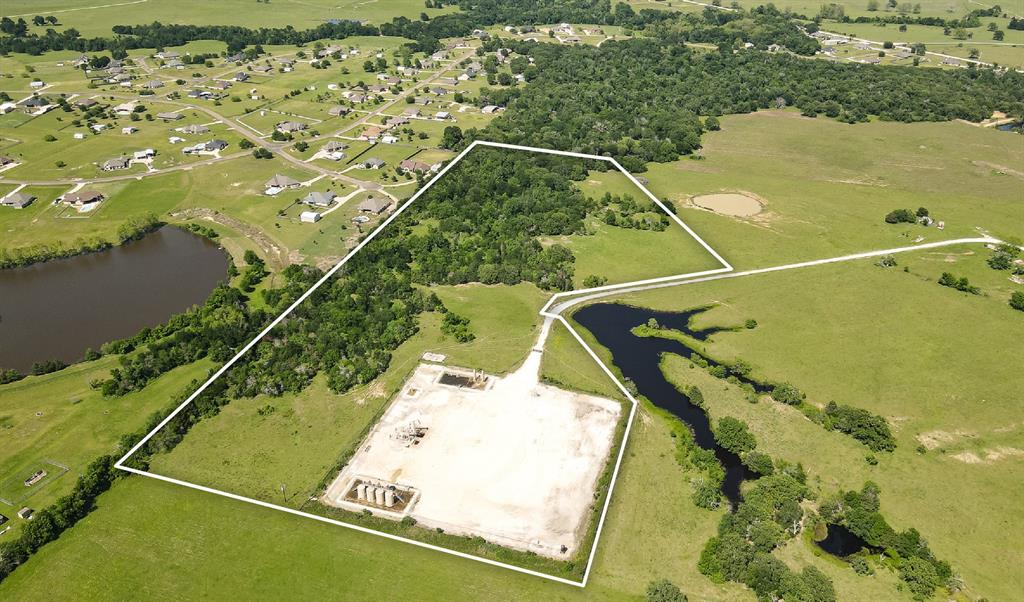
512 460
729 203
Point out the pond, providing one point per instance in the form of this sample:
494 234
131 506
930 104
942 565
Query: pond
639 358
58 309
841 542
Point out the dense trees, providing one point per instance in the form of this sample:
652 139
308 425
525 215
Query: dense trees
664 590
638 100
961 284
871 430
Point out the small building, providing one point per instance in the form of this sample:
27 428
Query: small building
279 181
143 155
82 197
375 206
78 136
489 109
17 200
115 164
25 513
389 139
170 116
290 126
36 84
318 199
442 116
98 127
166 55
193 129
129 130
309 217
410 165
373 163
175 139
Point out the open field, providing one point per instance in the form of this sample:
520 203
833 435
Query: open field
95 18
827 186
883 340
59 418
1008 52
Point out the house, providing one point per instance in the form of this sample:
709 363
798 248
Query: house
950 61
290 126
390 80
175 139
396 121
193 129
98 127
338 111
220 85
389 139
466 75
370 133
174 64
279 181
411 112
125 109
456 43
204 94
7 106
410 165
446 81
170 116
235 58
166 55
17 200
442 116
334 146
36 84
82 197
309 217
490 109
286 62
153 84
377 88
215 145
571 40
373 163
356 97
407 71
263 69
129 130
241 76
375 206
318 199
422 100
143 155
85 103
5 161
81 60
115 164
437 91
440 55
35 102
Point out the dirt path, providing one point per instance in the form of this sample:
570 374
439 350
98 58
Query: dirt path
277 255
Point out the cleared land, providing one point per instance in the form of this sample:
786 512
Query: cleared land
729 203
514 461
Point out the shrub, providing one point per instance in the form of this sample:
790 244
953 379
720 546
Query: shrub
788 394
901 216
664 590
1017 300
732 434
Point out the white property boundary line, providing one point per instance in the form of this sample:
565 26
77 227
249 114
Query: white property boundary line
726 267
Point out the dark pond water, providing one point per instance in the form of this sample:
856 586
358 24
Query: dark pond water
58 309
1011 127
841 542
638 359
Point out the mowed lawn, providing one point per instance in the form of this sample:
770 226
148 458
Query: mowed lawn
828 185
59 418
941 366
172 542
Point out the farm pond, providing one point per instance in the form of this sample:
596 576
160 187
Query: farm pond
58 309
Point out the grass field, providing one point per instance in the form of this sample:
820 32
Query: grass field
60 418
887 341
1008 52
827 186
96 18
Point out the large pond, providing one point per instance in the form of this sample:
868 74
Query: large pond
638 358
58 309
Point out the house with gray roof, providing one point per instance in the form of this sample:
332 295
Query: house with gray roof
319 199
